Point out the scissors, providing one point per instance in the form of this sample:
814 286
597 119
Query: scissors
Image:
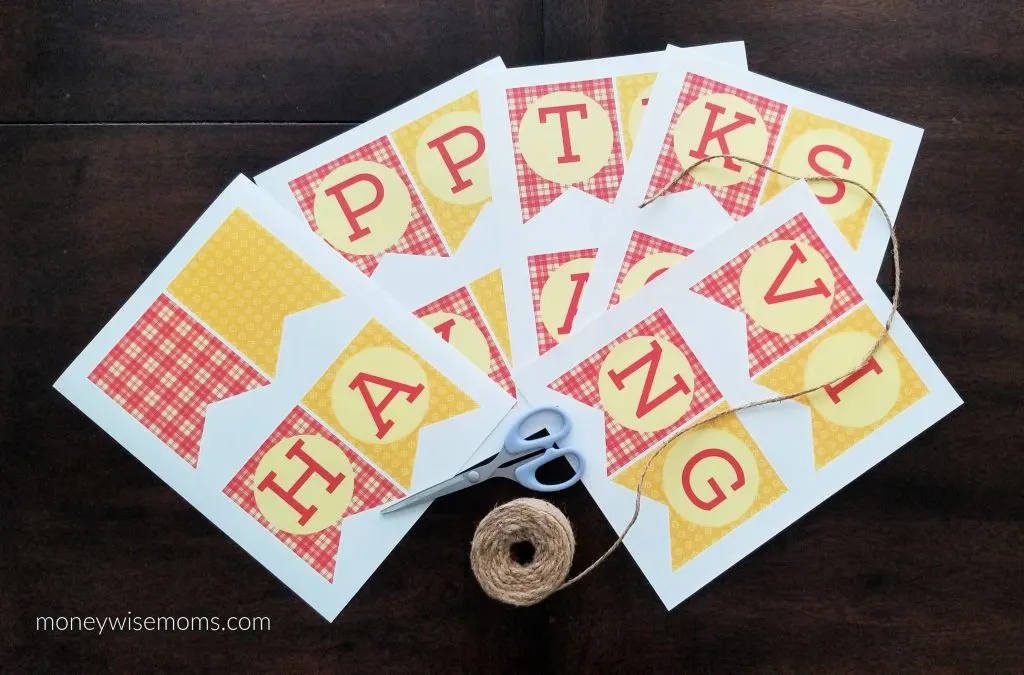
518 460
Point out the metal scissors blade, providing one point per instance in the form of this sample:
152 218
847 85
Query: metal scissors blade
459 481
518 449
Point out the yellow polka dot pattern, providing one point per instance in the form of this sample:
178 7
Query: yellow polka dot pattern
687 540
830 439
628 88
489 291
243 282
396 459
800 122
453 220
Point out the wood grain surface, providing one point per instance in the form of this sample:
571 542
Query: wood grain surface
121 121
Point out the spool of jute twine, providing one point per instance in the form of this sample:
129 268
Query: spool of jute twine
500 573
545 527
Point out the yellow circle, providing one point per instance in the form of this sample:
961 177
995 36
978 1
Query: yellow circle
451 161
710 477
561 294
362 207
462 334
566 137
304 484
380 395
862 398
820 152
636 113
787 287
700 132
645 271
646 383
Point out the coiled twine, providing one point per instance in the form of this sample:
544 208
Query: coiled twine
504 578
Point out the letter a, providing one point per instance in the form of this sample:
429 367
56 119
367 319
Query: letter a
377 409
444 329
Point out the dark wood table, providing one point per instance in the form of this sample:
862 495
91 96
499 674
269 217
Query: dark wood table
122 120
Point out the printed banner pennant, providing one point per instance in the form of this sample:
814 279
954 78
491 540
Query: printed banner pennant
710 118
411 182
788 285
304 456
648 383
380 393
711 480
363 204
548 273
213 332
700 108
658 362
657 238
458 318
461 298
647 257
284 395
557 281
546 160
845 412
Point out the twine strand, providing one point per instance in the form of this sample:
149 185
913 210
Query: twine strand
496 541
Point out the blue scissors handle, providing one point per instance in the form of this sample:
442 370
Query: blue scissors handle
516 442
526 473
504 464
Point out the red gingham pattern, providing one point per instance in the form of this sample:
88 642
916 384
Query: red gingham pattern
319 549
621 444
738 199
421 236
460 302
540 267
642 245
536 192
167 369
765 347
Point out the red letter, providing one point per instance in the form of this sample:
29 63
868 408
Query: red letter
652 358
446 157
812 159
655 274
352 215
718 135
833 390
773 297
444 329
707 505
580 279
563 119
312 467
377 409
